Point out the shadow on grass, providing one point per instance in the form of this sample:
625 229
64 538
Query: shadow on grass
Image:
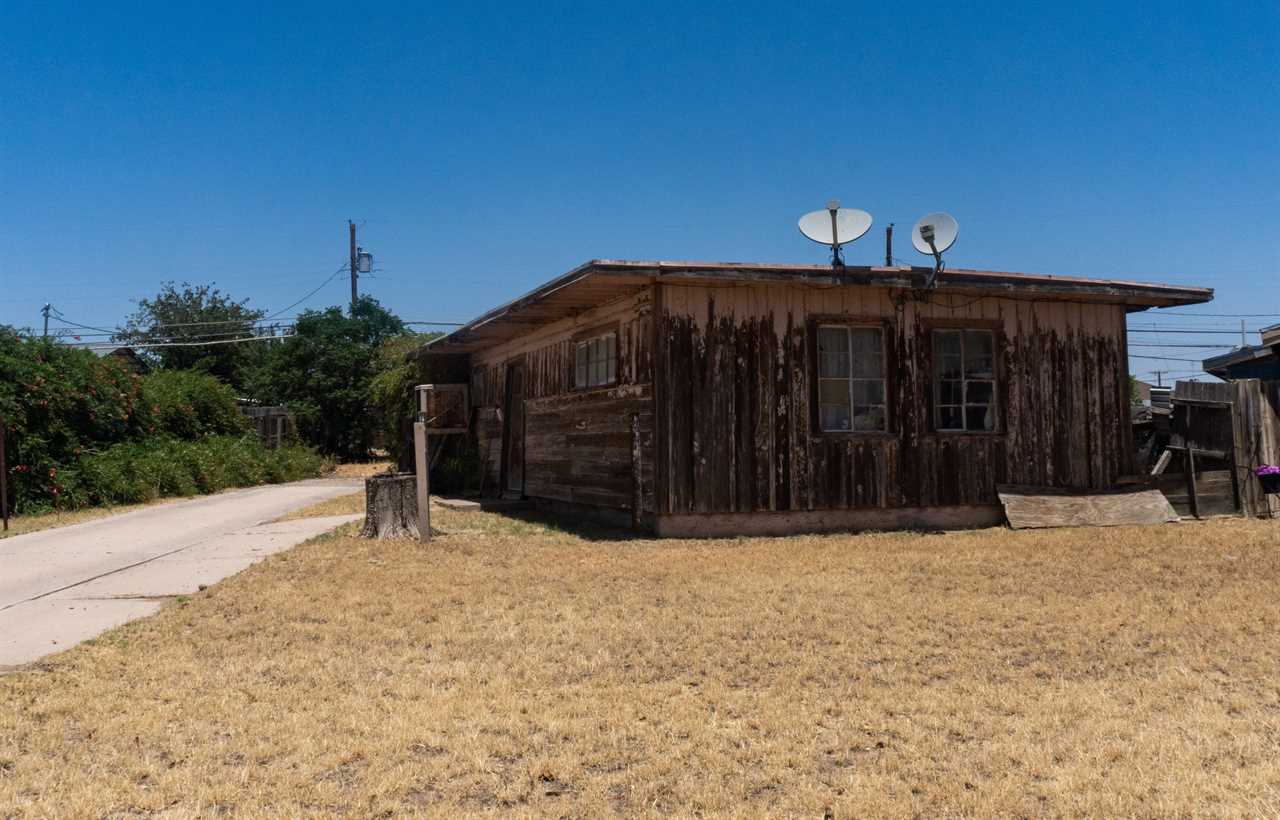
579 526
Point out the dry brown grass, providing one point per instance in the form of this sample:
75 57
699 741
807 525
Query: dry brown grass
21 524
361 469
515 668
342 505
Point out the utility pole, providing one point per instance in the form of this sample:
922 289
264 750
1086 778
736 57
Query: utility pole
4 477
355 274
44 311
1158 374
1243 341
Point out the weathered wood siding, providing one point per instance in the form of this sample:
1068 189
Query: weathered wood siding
737 431
579 444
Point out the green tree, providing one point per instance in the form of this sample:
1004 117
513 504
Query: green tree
189 313
398 371
323 373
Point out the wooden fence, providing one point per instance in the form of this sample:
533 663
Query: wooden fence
1221 434
274 424
1256 428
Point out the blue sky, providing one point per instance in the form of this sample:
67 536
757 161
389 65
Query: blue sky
488 147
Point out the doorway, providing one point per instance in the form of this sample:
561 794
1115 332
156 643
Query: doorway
513 432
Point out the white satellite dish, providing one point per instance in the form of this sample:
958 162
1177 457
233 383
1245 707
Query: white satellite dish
943 229
835 226
932 235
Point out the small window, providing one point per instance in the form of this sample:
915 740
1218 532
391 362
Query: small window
851 390
964 380
596 361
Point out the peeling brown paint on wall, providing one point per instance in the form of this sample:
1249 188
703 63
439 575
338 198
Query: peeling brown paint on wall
741 433
718 383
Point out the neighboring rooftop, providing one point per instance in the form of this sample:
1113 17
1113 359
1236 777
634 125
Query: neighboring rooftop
602 280
1251 362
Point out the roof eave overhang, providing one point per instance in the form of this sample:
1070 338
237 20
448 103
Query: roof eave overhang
602 280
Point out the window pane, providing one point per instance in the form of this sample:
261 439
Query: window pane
610 370
833 391
978 354
980 418
611 346
833 365
948 367
833 339
834 416
950 392
833 352
950 418
869 418
868 391
979 392
867 354
946 343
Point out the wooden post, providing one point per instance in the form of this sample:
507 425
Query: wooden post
1191 484
1190 444
637 489
355 274
420 459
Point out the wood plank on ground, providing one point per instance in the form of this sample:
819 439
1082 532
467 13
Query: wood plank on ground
1032 507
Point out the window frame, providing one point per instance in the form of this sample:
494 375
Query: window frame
586 337
999 376
887 371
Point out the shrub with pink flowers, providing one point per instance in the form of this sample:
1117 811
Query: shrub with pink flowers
83 430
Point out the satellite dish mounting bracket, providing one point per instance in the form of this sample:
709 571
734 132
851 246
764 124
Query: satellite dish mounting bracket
931 281
933 235
837 261
845 226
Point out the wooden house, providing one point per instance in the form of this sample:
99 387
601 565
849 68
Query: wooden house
715 399
1261 361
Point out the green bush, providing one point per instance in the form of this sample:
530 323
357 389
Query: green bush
190 405
141 471
80 430
59 403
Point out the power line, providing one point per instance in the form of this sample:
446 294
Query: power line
100 346
332 276
67 321
1164 358
1169 344
1235 332
1221 315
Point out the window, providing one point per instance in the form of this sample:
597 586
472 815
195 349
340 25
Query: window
596 361
851 393
964 380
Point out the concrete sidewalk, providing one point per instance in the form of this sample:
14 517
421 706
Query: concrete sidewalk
61 586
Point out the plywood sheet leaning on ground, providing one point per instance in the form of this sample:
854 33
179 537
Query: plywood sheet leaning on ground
1033 507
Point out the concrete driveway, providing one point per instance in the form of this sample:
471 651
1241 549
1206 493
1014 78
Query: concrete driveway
62 586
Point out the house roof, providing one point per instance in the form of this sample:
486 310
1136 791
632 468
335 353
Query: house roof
1219 365
602 280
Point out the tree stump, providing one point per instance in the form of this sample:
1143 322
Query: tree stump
391 506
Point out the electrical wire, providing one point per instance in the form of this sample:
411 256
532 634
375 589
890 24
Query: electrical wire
1185 330
332 276
1164 358
1220 315
1168 344
190 344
